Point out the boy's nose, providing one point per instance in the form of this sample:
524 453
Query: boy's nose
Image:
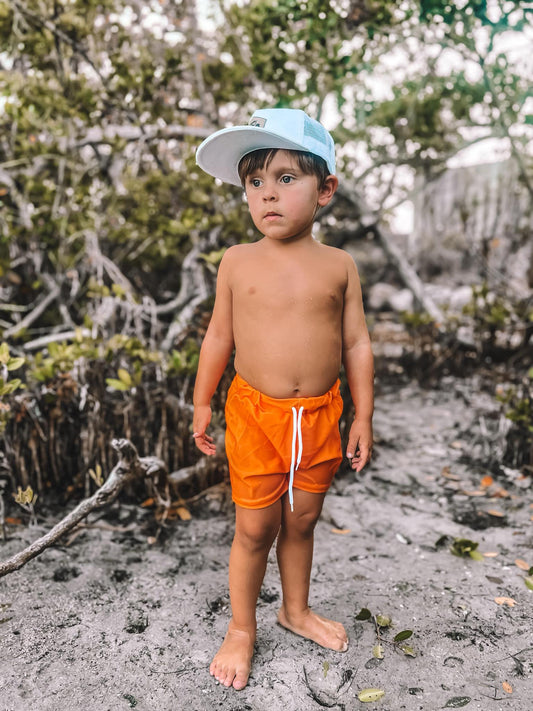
269 193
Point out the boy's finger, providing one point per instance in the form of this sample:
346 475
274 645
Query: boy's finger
351 450
202 435
205 446
363 457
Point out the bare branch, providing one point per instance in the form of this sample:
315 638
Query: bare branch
129 468
36 312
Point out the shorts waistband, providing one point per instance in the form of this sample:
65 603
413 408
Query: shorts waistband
311 403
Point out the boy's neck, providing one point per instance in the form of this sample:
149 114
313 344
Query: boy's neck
288 242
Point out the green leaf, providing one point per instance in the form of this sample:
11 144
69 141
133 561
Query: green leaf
125 377
529 582
118 290
476 555
457 702
383 620
116 384
408 650
377 651
369 695
401 636
325 667
15 363
363 614
4 353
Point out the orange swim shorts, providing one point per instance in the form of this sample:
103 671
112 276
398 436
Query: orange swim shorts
276 444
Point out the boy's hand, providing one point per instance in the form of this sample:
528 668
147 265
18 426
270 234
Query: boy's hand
201 420
359 449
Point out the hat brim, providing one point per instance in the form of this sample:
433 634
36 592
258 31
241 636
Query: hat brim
220 154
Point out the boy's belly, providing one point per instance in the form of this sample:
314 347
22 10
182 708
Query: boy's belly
285 365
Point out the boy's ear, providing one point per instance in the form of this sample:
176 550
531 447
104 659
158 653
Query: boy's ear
328 189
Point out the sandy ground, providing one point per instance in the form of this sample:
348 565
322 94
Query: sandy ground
114 622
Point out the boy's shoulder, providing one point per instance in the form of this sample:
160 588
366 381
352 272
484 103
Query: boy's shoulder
336 254
237 252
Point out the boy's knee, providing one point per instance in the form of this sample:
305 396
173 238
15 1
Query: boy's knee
302 523
256 536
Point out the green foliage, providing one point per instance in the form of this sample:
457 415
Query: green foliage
8 385
61 358
184 362
488 309
517 401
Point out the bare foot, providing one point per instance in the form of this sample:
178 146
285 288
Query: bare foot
232 663
324 632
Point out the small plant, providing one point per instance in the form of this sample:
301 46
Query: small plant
382 623
517 401
26 499
488 310
465 548
96 475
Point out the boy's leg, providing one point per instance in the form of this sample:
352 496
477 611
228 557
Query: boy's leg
295 557
255 531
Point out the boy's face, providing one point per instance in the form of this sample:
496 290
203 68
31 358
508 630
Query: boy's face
283 200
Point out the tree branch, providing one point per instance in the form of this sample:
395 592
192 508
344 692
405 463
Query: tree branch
37 311
129 468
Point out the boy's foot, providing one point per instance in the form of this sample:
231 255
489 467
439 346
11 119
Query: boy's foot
324 632
233 661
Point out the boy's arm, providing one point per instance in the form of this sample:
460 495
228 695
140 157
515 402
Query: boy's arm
359 367
216 349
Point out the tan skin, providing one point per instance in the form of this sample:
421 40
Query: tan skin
291 309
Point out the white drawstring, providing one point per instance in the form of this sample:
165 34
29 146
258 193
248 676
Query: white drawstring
295 460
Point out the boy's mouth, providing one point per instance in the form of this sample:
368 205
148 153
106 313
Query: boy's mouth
271 215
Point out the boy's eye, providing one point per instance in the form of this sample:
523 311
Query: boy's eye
286 178
255 182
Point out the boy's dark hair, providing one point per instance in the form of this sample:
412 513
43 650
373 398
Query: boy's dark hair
309 163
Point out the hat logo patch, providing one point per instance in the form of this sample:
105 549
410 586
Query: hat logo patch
258 122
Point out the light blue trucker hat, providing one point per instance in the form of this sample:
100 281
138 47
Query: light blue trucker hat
288 129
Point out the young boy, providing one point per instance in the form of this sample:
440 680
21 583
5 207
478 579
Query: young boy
292 310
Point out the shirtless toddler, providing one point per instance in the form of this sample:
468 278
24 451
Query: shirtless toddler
291 309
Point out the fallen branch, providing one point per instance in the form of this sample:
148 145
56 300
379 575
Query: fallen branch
130 467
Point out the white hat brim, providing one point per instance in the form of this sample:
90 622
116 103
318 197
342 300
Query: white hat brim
220 154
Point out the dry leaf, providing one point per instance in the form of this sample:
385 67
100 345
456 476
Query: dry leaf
341 531
487 481
507 687
505 601
495 512
447 474
147 502
490 554
370 695
521 564
473 492
183 513
500 494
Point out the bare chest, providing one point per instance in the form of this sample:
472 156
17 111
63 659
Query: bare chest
277 290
